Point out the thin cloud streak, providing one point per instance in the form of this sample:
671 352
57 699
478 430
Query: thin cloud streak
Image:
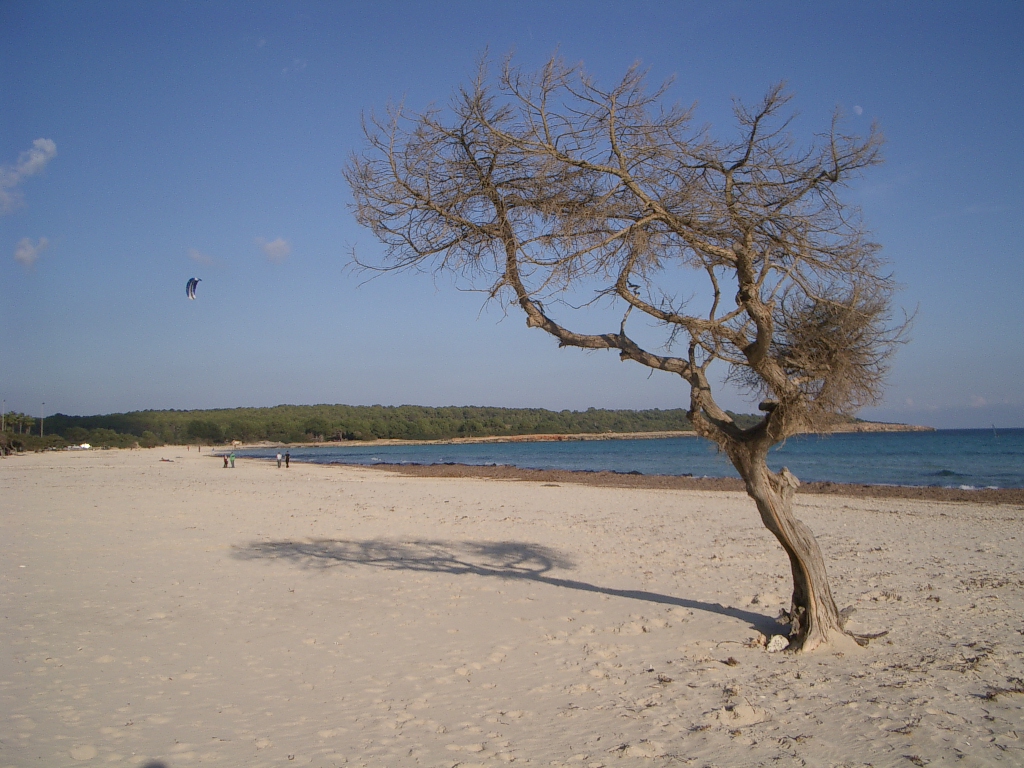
30 162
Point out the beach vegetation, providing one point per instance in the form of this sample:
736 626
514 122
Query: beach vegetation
30 442
18 423
148 439
327 423
613 221
205 431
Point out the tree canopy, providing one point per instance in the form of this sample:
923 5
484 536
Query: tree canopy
309 423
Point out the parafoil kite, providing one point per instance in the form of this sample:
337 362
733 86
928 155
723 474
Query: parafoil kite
190 287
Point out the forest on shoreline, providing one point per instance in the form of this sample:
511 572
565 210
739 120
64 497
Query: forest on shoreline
330 423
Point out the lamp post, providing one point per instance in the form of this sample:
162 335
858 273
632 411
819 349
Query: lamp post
42 410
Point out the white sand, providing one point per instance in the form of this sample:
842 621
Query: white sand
183 613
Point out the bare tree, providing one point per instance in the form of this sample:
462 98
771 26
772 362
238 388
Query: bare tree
543 186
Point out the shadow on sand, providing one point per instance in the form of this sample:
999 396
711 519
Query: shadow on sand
503 560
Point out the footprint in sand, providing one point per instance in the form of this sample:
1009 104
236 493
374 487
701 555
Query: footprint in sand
631 628
645 749
86 752
742 714
465 747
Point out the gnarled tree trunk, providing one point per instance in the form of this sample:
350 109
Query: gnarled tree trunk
814 616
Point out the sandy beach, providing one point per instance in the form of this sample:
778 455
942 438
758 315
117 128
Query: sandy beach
176 613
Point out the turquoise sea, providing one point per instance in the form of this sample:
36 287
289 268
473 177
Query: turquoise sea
960 458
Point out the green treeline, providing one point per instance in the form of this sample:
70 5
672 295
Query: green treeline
310 423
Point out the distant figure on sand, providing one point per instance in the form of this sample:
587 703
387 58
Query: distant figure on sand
287 459
279 460
225 461
232 459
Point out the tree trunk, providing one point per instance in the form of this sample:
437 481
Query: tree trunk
814 616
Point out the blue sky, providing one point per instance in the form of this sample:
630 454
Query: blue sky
145 143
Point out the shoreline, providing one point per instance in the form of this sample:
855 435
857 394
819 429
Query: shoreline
539 438
1011 496
857 427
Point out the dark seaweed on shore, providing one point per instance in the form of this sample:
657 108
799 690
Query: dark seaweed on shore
1013 496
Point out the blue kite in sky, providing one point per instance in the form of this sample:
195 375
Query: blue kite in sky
190 287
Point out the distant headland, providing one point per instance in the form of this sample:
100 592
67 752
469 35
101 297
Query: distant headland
877 426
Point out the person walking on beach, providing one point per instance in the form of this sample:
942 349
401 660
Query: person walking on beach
225 461
278 459
232 459
287 459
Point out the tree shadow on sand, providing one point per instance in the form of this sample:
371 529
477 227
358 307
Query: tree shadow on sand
503 560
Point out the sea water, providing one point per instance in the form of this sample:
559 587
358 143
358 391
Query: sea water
961 458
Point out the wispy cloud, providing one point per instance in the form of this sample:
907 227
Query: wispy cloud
30 162
200 258
26 253
297 65
275 250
